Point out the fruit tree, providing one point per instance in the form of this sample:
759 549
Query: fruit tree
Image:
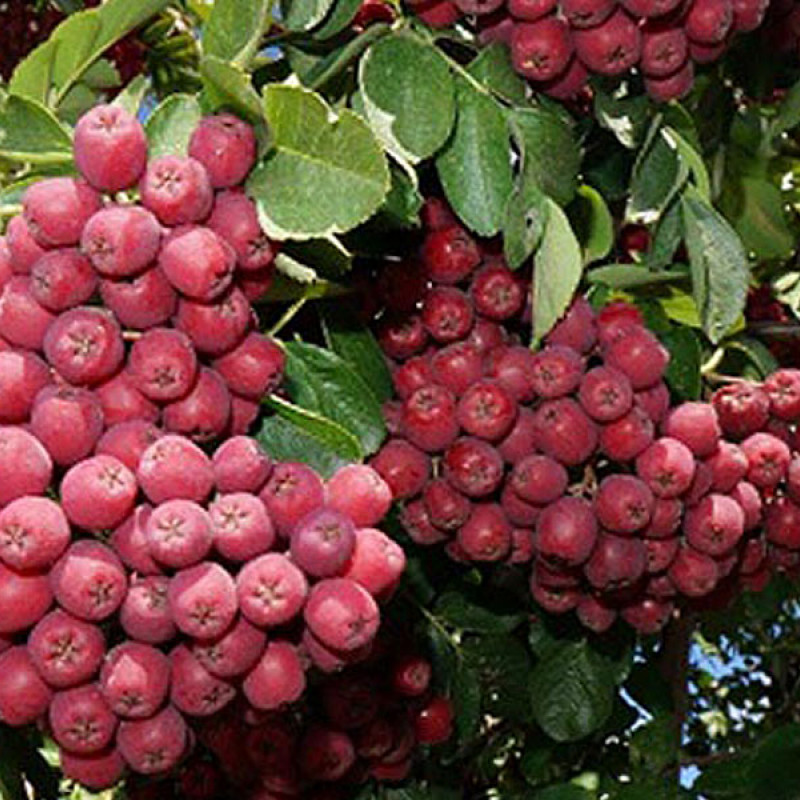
400 399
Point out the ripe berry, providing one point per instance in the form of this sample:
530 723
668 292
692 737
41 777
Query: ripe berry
177 190
616 563
447 314
667 467
197 262
226 147
640 356
538 479
121 241
564 432
450 255
254 368
628 437
141 302
696 425
586 13
693 573
62 279
473 467
25 598
203 600
742 409
541 50
292 492
605 394
154 745
496 292
612 47
434 723
56 210
271 590
566 532
708 21
429 418
715 525
768 459
173 467
556 371
24 697
623 504
235 220
486 410
163 364
486 535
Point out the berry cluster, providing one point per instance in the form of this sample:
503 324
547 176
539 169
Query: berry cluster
360 724
220 579
571 457
558 44
169 337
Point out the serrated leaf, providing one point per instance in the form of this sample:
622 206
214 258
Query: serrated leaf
326 172
667 237
29 132
658 175
75 45
558 266
493 68
321 381
550 152
408 96
633 276
233 30
296 434
720 272
227 86
755 207
526 218
572 692
303 15
679 306
467 613
626 117
592 222
169 128
686 355
474 166
353 341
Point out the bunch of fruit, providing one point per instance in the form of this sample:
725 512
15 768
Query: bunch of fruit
169 337
222 577
559 44
572 457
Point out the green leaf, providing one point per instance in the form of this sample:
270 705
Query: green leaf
773 772
321 381
296 434
725 780
679 306
493 68
227 86
131 97
572 692
234 29
31 133
75 45
633 276
403 203
756 352
302 15
654 746
469 612
657 175
11 783
475 166
628 118
720 271
408 96
339 18
558 266
592 222
171 125
691 160
550 152
789 112
325 174
526 218
667 237
466 696
503 665
755 208
353 341
686 355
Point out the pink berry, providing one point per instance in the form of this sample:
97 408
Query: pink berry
233 653
141 302
226 147
271 590
24 375
447 314
742 409
667 467
177 190
56 210
693 573
254 368
404 467
24 697
163 364
486 410
241 465
664 49
81 721
89 581
782 523
195 691
179 533
616 563
235 220
127 441
144 614
565 432
696 425
62 279
34 532
377 563
628 437
121 241
594 614
218 326
342 614
728 465
486 535
513 368
605 394
25 598
96 771
110 148
473 467
23 249
203 600
715 525
708 21
25 465
277 679
538 479
197 262
242 526
566 531
749 499
322 542
66 651
203 414
359 492
521 439
768 459
665 519
292 492
586 13
155 745
623 504
23 321
98 493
